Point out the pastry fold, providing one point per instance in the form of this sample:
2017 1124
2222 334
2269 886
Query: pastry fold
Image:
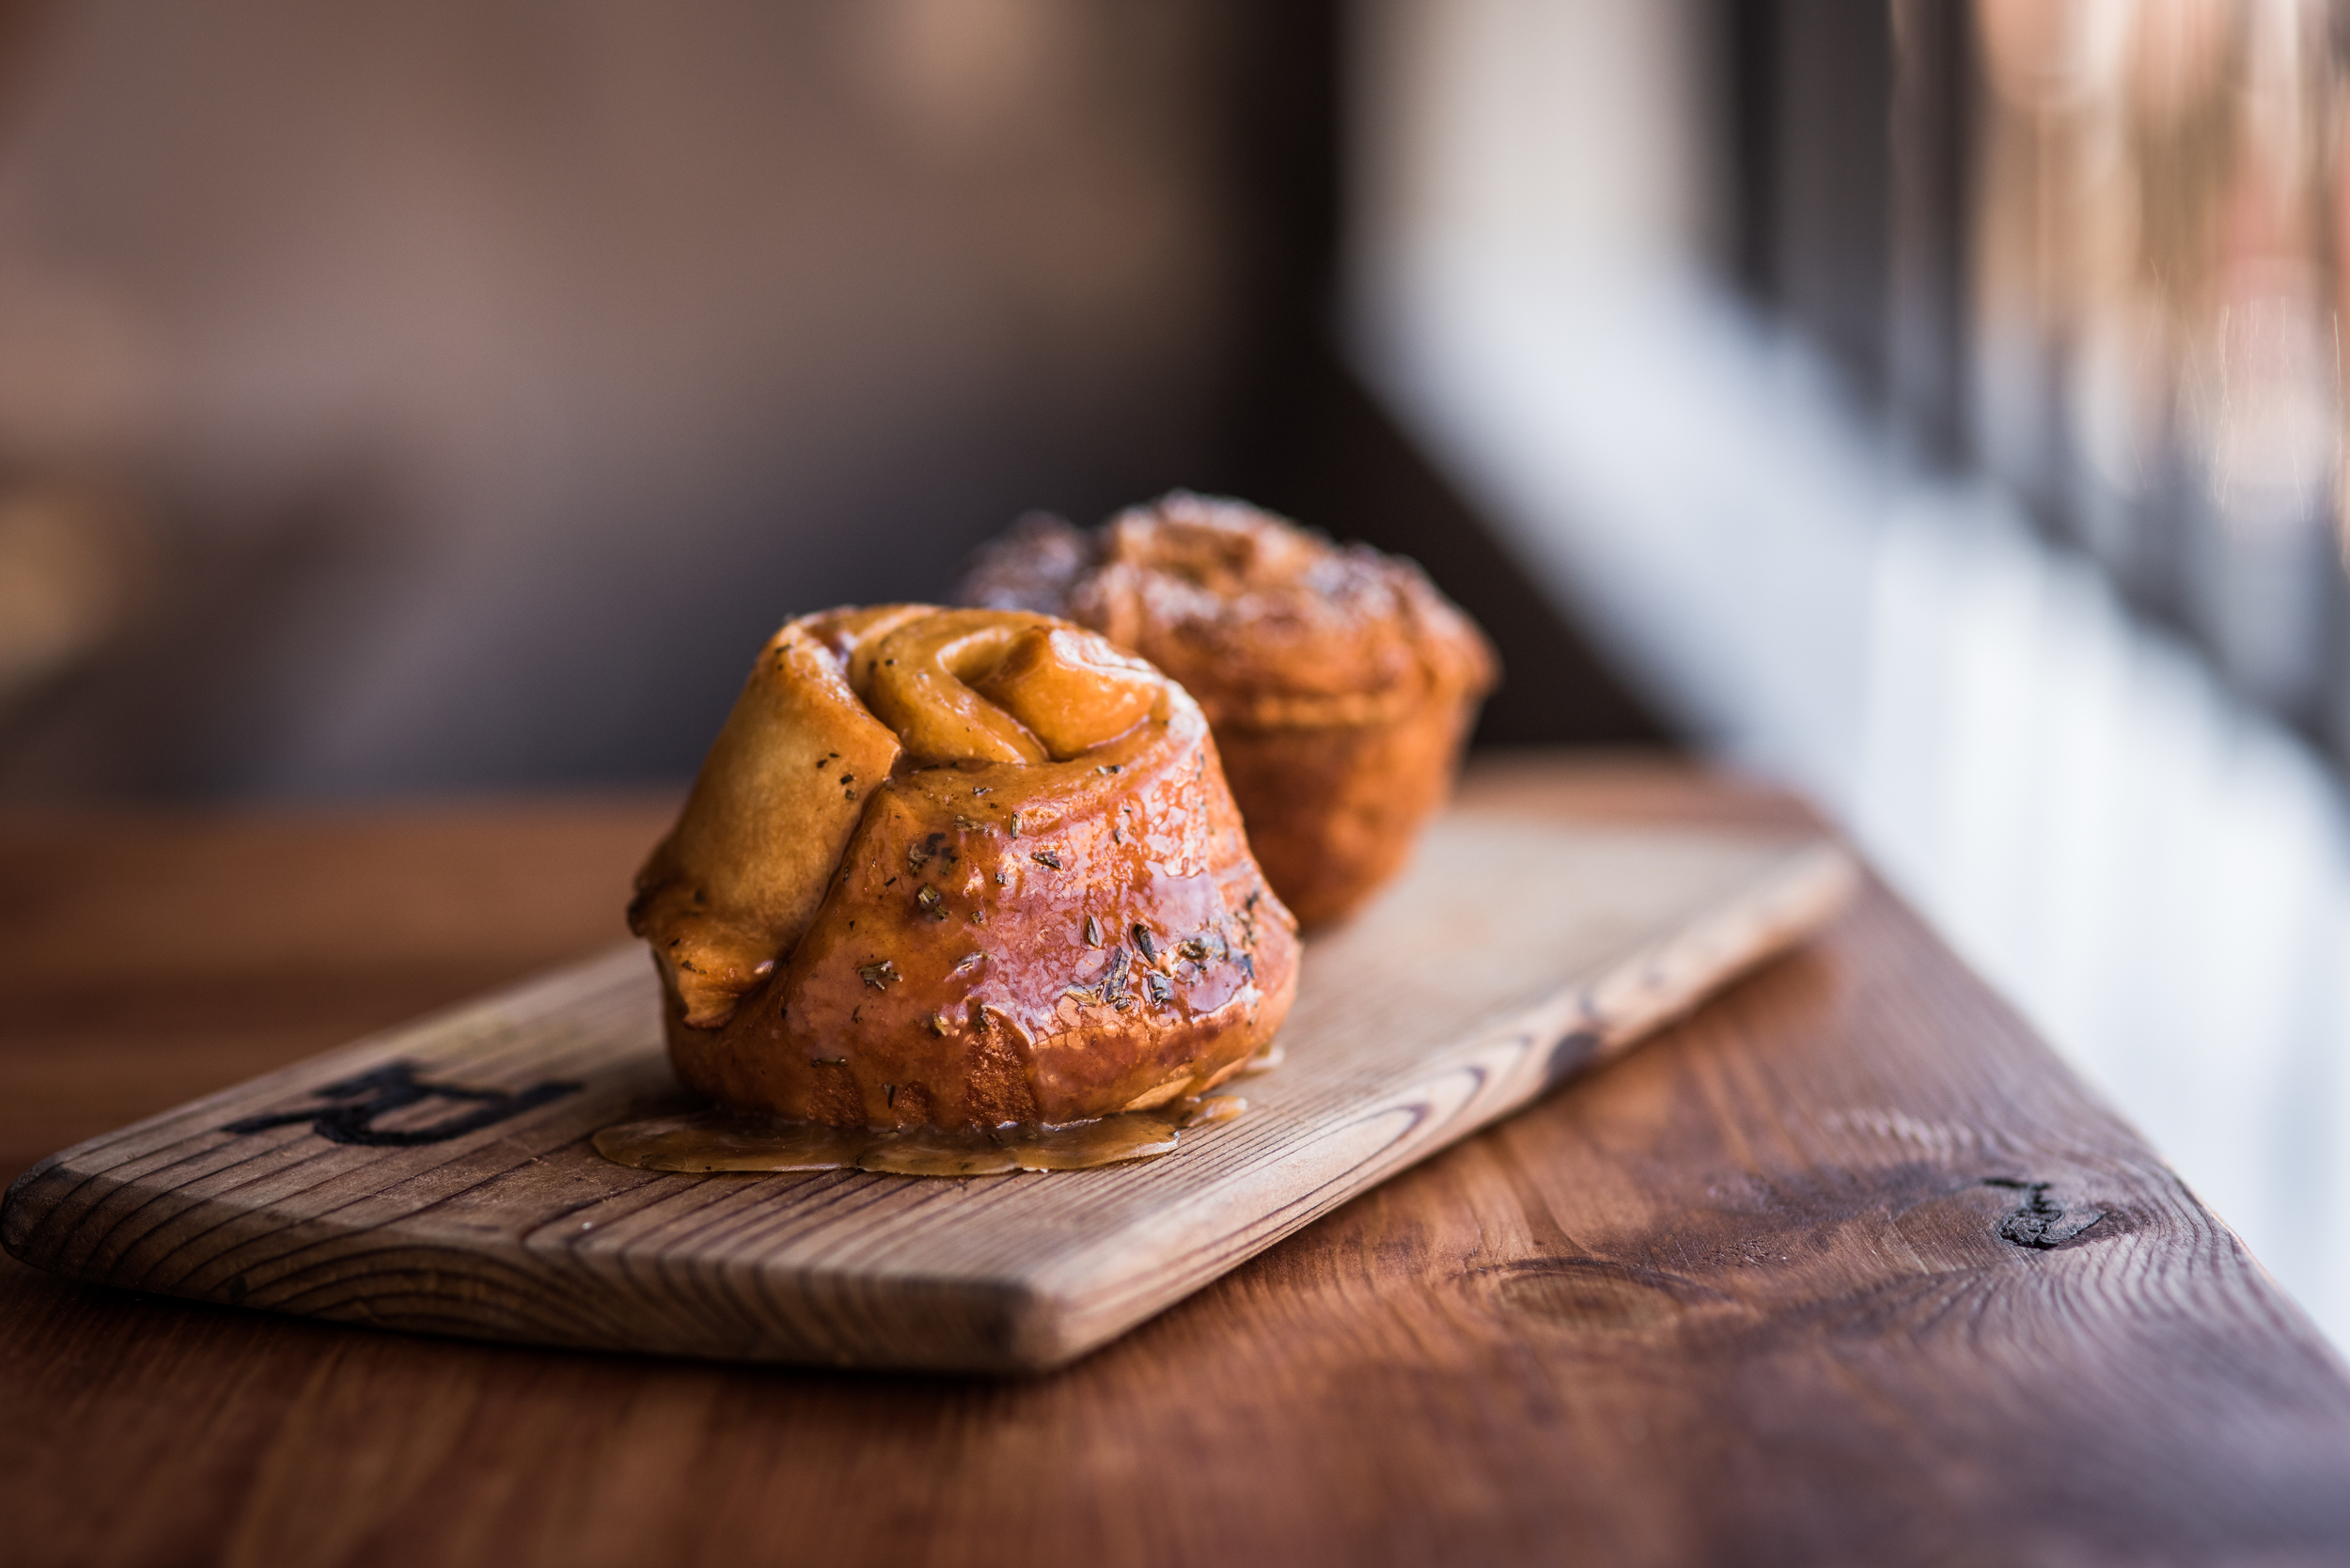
961 869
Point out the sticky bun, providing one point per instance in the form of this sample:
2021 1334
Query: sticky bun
961 869
1338 682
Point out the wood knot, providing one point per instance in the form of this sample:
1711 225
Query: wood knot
2039 1222
1570 1054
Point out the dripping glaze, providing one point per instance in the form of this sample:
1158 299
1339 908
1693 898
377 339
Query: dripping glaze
718 1140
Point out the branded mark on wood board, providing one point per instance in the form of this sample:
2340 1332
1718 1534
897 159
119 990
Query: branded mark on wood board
354 1105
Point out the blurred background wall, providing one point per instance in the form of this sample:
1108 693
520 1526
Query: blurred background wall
428 395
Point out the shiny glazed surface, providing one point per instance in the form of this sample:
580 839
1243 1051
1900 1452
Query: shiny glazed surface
961 869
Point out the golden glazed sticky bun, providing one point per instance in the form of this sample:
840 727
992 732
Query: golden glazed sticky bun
1338 682
959 869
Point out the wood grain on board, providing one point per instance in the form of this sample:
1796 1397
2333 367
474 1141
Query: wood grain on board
1749 1294
440 1178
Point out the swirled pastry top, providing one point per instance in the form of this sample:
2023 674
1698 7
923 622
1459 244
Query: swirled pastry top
960 867
1269 626
837 700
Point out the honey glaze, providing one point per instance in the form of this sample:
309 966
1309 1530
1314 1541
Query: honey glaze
723 1140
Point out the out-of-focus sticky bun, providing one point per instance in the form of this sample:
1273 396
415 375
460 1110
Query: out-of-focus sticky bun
1338 682
960 869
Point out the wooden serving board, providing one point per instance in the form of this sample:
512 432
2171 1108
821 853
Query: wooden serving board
438 1178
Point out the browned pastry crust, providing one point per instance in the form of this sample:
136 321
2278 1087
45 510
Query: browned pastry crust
961 869
1338 682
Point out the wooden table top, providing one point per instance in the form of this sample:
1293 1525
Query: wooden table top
1761 1292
